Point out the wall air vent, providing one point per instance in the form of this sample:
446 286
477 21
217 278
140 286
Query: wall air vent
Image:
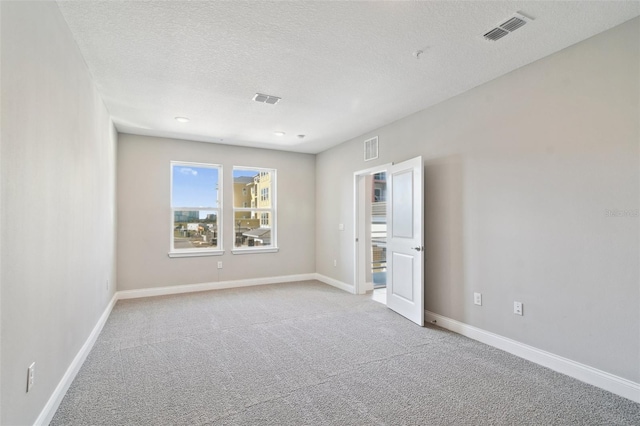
267 99
507 27
371 149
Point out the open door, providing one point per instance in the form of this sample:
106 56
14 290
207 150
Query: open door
405 241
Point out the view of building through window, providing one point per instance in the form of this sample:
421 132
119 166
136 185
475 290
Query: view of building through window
195 206
379 230
196 194
254 226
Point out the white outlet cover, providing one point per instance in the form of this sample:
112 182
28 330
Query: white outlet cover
517 308
31 372
477 298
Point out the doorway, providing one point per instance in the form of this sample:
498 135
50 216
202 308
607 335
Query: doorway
378 236
371 232
389 259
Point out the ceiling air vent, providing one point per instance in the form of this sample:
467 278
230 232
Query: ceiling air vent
507 27
513 24
495 34
267 99
371 149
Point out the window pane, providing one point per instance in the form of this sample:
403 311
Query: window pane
254 207
244 184
194 186
253 187
252 228
195 229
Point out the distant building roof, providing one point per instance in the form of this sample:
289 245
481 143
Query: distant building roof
242 179
258 233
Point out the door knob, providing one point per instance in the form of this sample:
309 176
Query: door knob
417 248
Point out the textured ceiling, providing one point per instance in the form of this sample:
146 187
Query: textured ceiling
341 68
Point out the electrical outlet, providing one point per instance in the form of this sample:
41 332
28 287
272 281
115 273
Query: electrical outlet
517 308
477 298
335 262
219 265
31 373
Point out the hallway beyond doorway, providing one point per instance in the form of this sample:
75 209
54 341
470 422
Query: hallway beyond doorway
380 295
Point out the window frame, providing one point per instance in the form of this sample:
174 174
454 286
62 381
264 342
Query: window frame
196 252
273 211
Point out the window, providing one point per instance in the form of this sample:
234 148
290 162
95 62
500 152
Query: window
255 226
380 187
196 213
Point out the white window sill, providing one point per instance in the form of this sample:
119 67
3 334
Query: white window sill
256 250
196 253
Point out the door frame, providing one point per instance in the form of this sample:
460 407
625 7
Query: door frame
359 242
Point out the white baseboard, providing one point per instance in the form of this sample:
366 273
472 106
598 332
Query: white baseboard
54 401
335 283
593 376
190 288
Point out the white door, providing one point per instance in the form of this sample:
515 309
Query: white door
405 243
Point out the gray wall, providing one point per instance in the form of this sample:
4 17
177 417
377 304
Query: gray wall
58 205
519 173
144 214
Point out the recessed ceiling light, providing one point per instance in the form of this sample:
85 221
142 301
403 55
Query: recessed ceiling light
182 119
278 133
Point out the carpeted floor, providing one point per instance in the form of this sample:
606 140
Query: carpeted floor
309 354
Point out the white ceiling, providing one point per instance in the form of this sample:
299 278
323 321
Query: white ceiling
341 68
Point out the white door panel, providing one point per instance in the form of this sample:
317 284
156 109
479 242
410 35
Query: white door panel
403 276
405 260
402 225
